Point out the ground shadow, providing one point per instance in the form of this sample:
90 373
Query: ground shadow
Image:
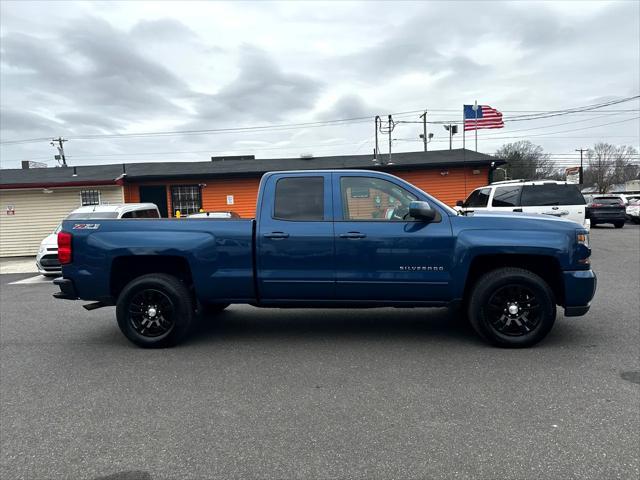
327 324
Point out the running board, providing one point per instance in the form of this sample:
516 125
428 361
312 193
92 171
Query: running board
94 306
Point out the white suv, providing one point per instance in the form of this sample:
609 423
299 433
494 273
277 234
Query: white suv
47 258
548 197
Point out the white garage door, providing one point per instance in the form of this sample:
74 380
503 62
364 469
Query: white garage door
36 214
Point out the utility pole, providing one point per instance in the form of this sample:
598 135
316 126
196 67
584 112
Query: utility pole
452 129
581 150
424 129
60 148
378 121
390 130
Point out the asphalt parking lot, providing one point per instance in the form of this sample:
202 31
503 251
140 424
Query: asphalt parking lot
323 394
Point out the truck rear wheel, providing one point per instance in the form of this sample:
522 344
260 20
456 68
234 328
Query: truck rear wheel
512 307
155 310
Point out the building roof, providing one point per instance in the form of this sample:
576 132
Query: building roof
117 173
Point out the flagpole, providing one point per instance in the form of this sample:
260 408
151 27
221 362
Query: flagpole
463 129
476 110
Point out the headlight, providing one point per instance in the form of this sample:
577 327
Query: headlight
584 251
583 239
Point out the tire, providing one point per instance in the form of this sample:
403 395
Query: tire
505 288
155 311
618 224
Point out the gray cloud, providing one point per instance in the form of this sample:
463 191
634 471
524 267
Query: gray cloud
262 91
163 30
95 68
347 106
13 120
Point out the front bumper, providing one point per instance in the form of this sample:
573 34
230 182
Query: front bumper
48 264
67 289
579 289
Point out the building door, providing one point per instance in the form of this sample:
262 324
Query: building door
155 194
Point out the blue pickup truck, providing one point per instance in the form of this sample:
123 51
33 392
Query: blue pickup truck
327 238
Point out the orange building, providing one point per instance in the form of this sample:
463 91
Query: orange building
231 183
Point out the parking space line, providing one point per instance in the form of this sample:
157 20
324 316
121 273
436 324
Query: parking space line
32 280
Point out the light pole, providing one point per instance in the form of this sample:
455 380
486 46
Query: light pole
581 150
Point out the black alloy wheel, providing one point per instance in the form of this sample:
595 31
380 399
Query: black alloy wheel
513 310
512 307
155 310
151 313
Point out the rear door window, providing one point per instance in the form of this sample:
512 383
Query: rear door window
478 198
300 199
507 196
551 194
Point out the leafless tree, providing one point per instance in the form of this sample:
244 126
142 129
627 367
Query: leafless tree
608 165
526 160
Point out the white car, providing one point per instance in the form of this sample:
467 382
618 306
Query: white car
633 210
215 215
548 197
47 258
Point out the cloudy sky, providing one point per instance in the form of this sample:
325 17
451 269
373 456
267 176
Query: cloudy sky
82 69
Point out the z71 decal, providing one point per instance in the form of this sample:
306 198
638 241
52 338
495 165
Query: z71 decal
86 226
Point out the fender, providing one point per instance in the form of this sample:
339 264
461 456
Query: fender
473 243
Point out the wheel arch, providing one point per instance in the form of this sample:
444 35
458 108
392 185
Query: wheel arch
545 266
128 267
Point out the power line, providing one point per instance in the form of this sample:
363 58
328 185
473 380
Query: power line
325 123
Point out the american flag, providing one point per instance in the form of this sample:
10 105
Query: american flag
487 118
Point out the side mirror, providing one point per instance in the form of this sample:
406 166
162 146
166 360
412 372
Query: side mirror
422 211
459 203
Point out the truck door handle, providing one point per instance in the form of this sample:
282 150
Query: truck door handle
352 235
276 235
517 210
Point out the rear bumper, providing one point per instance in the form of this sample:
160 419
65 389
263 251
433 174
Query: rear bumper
67 289
579 289
607 217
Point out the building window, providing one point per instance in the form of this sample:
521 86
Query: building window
90 197
186 198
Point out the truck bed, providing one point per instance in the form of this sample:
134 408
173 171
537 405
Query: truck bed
219 252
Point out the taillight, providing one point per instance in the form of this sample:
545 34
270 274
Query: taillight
64 248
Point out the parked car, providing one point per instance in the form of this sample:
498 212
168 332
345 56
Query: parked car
607 209
320 239
47 259
548 197
216 215
633 210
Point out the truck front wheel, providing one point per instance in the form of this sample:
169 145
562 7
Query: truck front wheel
512 307
155 310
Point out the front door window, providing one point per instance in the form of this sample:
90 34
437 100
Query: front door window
374 199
